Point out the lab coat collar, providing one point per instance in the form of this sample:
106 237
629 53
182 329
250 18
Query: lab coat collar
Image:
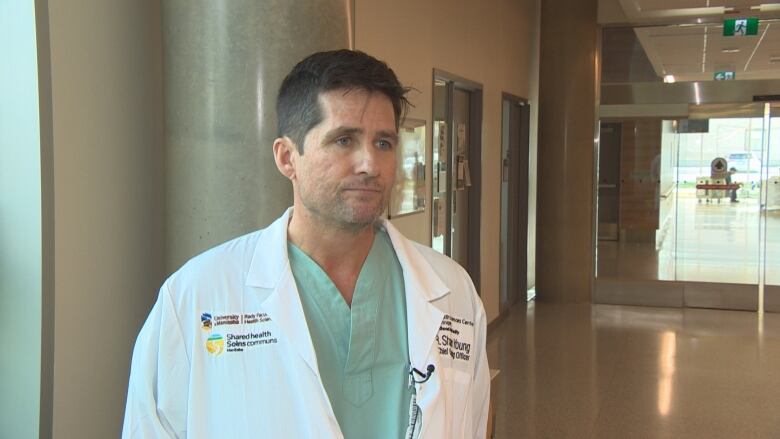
270 269
418 273
269 261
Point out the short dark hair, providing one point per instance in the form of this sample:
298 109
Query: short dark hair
297 104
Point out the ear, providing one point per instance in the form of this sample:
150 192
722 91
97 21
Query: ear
285 154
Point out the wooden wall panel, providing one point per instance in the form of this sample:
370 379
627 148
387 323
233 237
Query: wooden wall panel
640 156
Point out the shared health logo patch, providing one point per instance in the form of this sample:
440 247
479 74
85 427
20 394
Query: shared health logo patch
215 344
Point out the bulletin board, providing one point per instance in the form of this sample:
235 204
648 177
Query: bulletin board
408 194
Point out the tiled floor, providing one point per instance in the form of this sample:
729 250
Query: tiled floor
603 372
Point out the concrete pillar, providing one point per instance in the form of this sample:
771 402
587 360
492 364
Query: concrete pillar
567 120
224 62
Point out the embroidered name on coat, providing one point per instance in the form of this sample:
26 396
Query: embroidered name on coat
455 338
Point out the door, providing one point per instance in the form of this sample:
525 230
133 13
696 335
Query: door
461 179
457 122
770 202
709 199
718 239
440 218
514 200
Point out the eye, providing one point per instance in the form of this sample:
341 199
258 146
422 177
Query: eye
343 141
385 145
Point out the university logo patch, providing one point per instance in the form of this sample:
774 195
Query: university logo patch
205 319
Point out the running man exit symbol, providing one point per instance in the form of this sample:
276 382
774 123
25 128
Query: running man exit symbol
740 27
724 76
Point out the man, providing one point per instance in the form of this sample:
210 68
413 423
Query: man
729 180
328 323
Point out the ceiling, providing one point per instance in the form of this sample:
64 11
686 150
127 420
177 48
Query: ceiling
684 38
681 11
695 53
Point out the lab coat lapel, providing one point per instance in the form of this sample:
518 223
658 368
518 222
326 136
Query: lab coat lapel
423 286
270 269
423 289
285 309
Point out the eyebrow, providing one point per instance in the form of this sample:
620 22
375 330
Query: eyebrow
342 130
392 135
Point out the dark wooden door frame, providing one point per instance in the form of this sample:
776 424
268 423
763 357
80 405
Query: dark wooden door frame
475 166
517 205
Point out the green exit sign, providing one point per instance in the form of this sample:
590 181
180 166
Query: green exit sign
740 27
724 76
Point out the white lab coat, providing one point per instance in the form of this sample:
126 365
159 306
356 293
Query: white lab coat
270 386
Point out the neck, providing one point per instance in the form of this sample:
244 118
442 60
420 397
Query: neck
341 252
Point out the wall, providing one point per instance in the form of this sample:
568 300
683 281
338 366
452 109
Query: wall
20 223
610 11
491 43
106 88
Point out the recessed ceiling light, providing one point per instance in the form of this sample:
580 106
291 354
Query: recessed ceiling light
669 79
730 50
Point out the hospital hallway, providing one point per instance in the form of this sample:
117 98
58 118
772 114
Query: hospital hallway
606 371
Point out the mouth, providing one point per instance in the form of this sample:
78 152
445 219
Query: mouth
362 194
363 189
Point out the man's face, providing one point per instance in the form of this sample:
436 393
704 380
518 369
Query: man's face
345 174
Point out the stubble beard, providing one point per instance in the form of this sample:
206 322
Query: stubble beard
338 212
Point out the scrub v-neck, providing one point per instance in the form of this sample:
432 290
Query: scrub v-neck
362 351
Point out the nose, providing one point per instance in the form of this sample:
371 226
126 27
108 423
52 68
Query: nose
367 160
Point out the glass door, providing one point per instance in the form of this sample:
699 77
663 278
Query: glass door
441 163
452 125
718 187
699 204
771 212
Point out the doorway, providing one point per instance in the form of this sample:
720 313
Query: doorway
515 119
457 164
699 211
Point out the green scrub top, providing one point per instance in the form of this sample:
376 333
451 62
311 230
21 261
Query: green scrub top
362 352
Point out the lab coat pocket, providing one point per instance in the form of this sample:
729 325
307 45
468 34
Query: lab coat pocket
456 389
455 377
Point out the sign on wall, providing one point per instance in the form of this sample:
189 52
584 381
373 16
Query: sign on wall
740 27
724 76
